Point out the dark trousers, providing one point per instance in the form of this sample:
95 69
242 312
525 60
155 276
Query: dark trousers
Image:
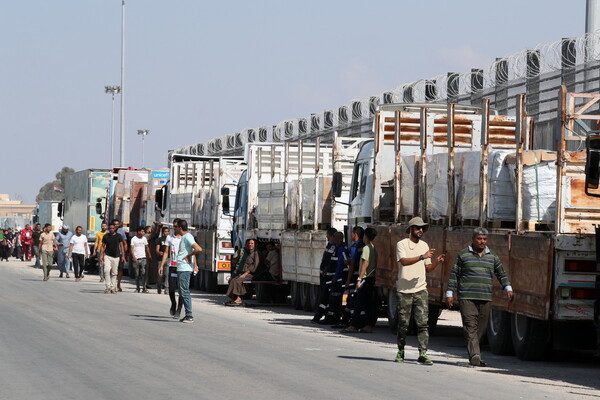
363 304
323 296
78 264
475 315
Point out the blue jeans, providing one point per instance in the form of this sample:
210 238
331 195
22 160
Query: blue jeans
37 258
184 290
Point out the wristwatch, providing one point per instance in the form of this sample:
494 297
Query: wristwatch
421 257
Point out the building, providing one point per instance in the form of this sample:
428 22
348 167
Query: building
14 213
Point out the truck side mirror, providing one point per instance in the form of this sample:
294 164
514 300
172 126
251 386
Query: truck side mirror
99 210
336 184
225 201
592 164
158 200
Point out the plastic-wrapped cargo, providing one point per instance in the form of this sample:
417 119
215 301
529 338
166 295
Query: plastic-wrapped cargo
467 165
437 186
408 185
501 202
539 184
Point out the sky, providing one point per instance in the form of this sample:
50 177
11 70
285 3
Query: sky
195 70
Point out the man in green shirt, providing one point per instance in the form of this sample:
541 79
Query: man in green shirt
472 277
362 318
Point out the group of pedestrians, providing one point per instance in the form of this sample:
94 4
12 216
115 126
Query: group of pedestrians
351 275
348 274
18 243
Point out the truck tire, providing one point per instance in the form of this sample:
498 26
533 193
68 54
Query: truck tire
529 337
295 295
435 311
305 297
499 333
280 294
211 282
392 310
263 292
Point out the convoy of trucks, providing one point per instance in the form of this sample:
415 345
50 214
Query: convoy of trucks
456 166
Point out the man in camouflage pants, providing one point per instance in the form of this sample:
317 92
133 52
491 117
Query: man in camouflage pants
414 261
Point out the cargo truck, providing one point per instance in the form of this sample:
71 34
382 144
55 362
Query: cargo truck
84 190
285 197
461 167
200 191
47 213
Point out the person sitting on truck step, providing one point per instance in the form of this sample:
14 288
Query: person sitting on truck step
236 287
471 275
272 261
414 262
325 275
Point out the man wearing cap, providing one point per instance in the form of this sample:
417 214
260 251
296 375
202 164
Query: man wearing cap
472 276
63 240
414 261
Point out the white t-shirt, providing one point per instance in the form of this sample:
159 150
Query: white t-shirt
79 243
411 278
139 246
173 243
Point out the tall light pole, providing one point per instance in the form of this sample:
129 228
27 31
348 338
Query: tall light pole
122 147
143 133
112 90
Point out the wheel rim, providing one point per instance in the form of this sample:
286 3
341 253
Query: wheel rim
520 326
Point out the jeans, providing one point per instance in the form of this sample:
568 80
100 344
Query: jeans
184 290
37 258
139 269
407 304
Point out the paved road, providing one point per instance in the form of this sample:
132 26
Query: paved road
67 340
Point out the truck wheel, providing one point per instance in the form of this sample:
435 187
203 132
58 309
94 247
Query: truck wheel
211 282
392 310
499 333
280 294
295 294
263 294
434 315
314 296
201 280
529 337
305 297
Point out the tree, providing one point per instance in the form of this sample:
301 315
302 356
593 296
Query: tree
54 190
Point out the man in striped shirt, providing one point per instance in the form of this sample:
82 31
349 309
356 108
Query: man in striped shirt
472 276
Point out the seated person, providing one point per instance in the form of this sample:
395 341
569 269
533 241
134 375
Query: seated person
236 287
272 261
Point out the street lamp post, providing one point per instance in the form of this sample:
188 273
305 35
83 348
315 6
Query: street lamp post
143 133
112 90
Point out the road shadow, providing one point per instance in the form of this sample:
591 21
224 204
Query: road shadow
154 318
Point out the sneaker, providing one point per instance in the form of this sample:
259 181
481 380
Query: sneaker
172 311
106 291
68 276
187 319
60 276
475 360
113 291
145 291
424 359
399 356
176 315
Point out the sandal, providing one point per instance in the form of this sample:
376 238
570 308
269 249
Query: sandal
350 329
366 330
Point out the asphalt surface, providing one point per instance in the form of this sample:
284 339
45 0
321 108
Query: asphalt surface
63 339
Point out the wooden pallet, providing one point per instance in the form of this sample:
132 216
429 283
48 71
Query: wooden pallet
537 226
501 224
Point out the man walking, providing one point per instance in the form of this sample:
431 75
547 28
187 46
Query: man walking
78 252
47 246
35 241
472 275
187 249
63 240
123 235
98 248
171 250
139 251
111 253
414 261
